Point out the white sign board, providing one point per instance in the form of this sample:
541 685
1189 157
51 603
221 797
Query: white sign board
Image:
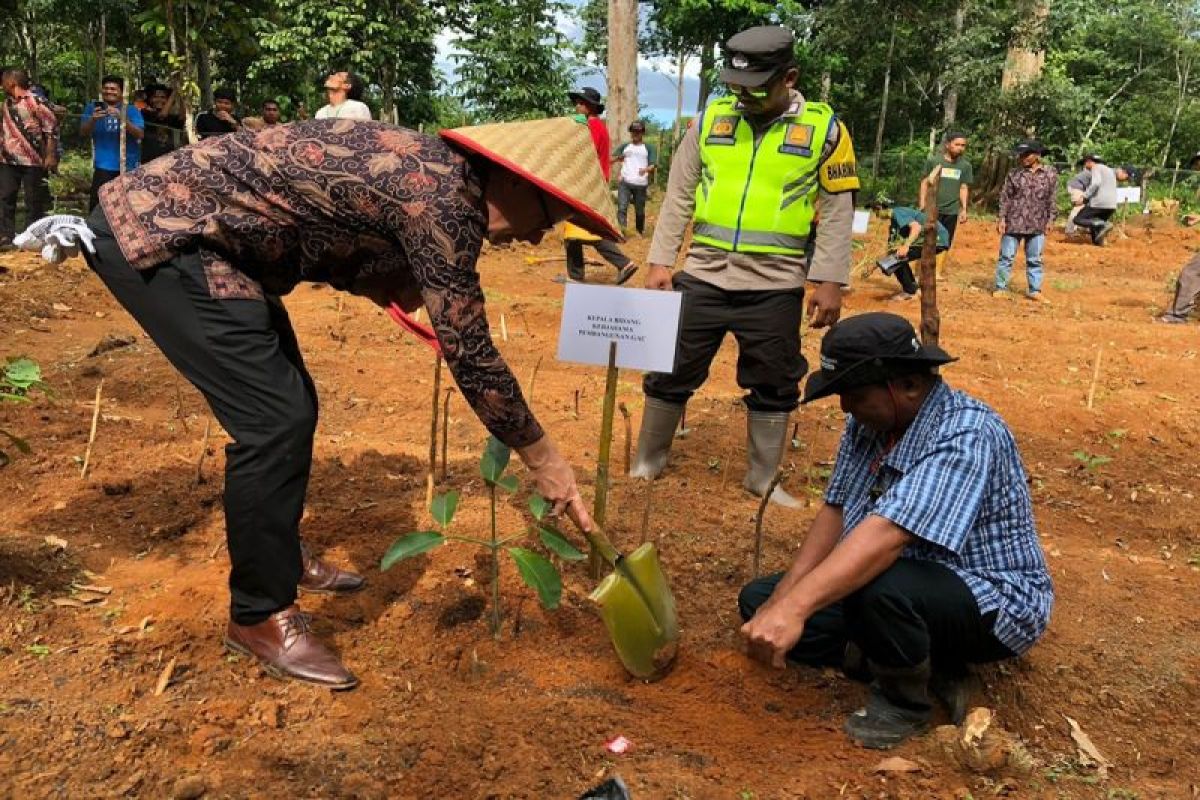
862 219
1129 194
643 322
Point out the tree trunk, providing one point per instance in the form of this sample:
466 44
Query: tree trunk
1183 74
102 48
883 101
826 84
204 76
931 321
387 103
28 33
708 60
1026 51
950 96
679 88
622 66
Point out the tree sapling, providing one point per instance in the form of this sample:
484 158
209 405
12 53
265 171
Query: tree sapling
536 570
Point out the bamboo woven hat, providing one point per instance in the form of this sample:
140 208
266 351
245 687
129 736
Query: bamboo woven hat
557 156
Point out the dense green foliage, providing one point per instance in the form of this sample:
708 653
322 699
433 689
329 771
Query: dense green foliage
1115 76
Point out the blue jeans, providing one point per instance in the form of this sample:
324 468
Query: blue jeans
1035 243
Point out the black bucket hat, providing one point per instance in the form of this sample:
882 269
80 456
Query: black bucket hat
869 348
1026 146
590 96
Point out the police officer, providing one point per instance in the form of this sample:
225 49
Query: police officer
751 175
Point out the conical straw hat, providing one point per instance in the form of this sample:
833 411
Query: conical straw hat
557 156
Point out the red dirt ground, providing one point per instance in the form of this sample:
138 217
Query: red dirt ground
446 712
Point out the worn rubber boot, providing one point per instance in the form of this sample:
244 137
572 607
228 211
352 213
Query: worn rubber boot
659 421
898 707
954 692
940 266
766 433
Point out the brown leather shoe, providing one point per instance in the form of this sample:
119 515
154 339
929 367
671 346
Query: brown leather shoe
321 577
287 648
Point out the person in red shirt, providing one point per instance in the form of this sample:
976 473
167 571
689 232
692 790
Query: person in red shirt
589 105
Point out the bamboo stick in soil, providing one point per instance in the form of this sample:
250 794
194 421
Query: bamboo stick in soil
931 322
430 475
600 506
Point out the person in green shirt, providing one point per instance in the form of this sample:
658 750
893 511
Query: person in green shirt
955 183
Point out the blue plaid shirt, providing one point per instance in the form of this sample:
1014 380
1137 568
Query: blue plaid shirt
955 481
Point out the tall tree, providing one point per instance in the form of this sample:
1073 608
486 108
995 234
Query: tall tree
622 78
512 62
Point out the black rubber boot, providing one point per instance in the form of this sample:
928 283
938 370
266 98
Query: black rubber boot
954 692
657 433
897 708
765 435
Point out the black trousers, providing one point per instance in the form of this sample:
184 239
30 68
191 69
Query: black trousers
950 223
766 325
243 357
1092 220
99 178
37 196
611 252
625 193
912 611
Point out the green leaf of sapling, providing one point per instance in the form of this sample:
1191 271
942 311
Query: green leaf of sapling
409 545
494 460
539 574
444 506
509 483
559 545
539 506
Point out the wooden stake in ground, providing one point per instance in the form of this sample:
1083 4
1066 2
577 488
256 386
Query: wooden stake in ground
87 454
1095 378
203 451
758 521
433 430
624 409
446 431
646 510
124 117
503 328
931 322
532 380
595 562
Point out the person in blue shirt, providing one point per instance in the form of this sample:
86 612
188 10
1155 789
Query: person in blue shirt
924 557
907 227
101 121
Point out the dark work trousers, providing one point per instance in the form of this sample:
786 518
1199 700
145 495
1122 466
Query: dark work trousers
611 252
243 357
766 325
14 179
99 178
912 611
1092 219
625 193
950 223
904 273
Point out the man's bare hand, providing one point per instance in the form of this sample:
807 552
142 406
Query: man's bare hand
659 277
771 633
824 304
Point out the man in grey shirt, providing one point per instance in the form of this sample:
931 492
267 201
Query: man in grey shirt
1100 198
1076 188
752 174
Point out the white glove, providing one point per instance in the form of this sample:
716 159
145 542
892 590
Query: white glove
57 237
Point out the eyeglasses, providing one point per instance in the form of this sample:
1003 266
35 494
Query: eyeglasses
334 88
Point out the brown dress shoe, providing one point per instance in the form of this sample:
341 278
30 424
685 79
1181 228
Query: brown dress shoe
287 648
321 577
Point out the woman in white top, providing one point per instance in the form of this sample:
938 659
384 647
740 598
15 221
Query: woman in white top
344 90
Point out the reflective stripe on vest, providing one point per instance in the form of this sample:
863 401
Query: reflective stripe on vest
758 196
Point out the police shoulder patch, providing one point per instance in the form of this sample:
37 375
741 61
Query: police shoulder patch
839 172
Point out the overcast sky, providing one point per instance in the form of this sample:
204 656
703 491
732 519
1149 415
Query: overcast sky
656 77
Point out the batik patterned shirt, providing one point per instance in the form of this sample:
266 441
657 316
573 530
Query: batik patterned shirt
26 124
956 483
1028 200
371 208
